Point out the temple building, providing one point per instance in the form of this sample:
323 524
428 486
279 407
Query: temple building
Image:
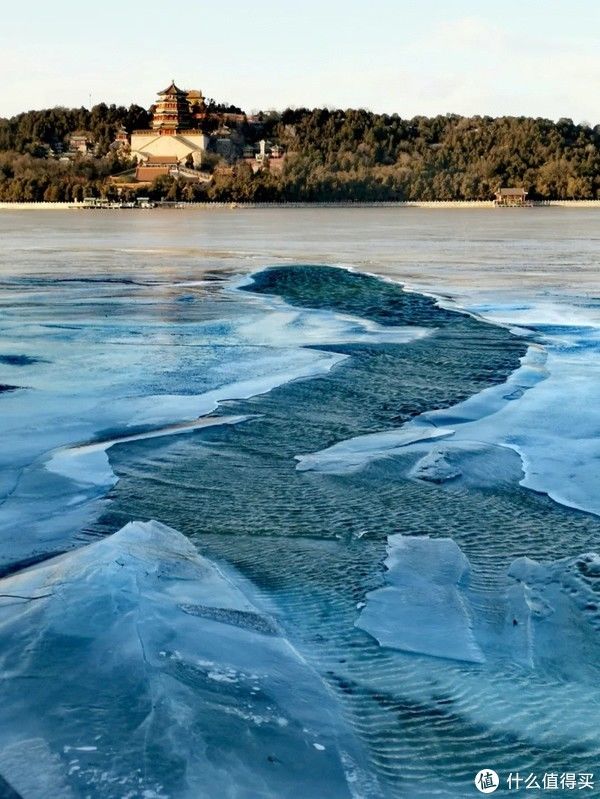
155 166
197 105
171 112
80 142
174 135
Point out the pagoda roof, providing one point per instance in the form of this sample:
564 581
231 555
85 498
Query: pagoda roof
172 89
153 160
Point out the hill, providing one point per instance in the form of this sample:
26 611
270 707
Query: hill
329 155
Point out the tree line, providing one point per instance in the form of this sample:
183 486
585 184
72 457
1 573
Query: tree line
33 132
330 155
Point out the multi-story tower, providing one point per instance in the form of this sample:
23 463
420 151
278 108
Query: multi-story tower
171 113
174 135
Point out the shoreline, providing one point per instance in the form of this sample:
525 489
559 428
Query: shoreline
432 204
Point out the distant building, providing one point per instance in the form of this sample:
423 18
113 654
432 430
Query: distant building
155 166
173 132
121 141
262 154
197 105
80 142
172 111
506 197
268 156
158 165
147 144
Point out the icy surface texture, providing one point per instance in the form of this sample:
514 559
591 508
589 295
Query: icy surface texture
101 377
545 616
545 411
555 436
474 420
423 609
436 467
135 667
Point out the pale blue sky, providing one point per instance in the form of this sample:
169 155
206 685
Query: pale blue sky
533 57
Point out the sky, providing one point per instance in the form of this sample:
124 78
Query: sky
516 57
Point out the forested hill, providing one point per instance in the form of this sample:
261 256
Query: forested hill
32 131
31 144
444 157
329 155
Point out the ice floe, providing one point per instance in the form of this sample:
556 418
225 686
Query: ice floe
352 454
135 667
436 466
543 616
423 607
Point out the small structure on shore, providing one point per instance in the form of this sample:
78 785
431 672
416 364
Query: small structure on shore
507 197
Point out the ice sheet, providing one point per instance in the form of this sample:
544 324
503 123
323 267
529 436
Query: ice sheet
99 378
554 426
150 673
351 455
553 423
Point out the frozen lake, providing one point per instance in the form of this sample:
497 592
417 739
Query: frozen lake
378 572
